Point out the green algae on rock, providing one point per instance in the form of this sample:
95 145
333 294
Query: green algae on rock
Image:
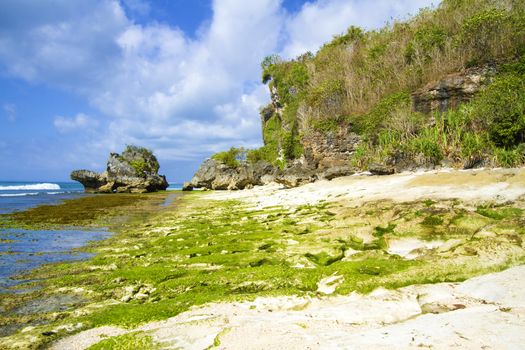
164 260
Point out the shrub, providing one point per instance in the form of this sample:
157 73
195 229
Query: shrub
264 153
360 157
501 108
331 124
424 42
292 147
140 167
289 78
378 116
510 158
141 160
474 144
427 144
352 35
231 157
491 33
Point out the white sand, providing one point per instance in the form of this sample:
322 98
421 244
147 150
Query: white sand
486 312
408 248
498 185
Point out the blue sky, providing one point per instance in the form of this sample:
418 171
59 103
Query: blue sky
82 78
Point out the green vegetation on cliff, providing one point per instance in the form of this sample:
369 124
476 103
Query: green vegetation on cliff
363 81
141 160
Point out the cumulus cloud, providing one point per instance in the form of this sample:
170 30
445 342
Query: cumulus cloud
155 85
317 22
78 122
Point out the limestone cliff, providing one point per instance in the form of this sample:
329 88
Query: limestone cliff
444 88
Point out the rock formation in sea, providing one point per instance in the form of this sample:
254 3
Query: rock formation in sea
135 171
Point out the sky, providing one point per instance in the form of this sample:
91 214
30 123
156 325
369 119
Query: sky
82 78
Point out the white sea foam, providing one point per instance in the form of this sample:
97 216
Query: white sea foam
18 194
41 186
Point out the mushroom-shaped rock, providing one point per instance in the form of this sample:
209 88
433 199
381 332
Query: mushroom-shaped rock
135 171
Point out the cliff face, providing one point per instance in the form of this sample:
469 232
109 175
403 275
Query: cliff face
393 96
452 90
445 88
325 149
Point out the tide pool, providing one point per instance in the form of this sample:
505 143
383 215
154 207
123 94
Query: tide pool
24 250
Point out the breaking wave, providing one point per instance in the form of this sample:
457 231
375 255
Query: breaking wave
19 194
30 187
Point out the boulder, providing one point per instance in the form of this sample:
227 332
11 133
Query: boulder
380 169
338 171
134 171
474 162
187 186
215 175
296 175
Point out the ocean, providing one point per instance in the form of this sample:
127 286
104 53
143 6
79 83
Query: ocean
24 250
16 196
23 195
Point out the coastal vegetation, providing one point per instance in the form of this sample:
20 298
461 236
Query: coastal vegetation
363 80
141 160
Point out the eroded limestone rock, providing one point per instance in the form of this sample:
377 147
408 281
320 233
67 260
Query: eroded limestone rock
135 171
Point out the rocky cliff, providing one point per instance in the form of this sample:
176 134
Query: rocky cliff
452 90
135 171
215 175
392 100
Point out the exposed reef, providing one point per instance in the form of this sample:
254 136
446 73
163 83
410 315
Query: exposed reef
135 171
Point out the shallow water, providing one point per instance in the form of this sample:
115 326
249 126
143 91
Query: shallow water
169 199
24 250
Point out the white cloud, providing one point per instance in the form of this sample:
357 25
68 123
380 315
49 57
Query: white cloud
317 22
79 122
157 86
10 111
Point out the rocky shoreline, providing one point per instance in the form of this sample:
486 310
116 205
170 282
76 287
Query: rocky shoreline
260 262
